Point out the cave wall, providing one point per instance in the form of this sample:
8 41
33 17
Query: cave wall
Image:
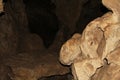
73 14
50 16
31 29
13 24
42 20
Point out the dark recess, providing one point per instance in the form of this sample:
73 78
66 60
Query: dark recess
42 20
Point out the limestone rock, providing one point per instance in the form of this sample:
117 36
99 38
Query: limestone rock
23 52
12 26
98 48
84 69
58 77
31 43
70 50
4 71
1 6
12 20
89 8
8 36
32 66
68 12
114 56
107 72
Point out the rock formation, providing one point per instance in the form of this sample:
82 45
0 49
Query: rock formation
1 6
32 66
68 12
96 52
22 54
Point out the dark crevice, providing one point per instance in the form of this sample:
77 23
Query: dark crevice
4 1
42 20
90 12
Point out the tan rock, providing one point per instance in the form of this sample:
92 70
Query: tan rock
98 46
70 50
91 38
114 6
114 57
84 69
107 72
1 6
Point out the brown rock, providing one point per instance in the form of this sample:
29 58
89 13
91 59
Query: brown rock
12 26
4 71
33 66
32 42
68 12
8 36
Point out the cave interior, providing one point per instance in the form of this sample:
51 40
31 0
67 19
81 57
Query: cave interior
33 31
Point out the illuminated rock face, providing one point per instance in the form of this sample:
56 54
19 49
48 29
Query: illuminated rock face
96 51
1 6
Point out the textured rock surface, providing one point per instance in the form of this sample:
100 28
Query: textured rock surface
32 42
58 77
68 12
1 6
76 14
4 71
22 52
107 72
98 51
65 10
11 22
24 57
32 66
69 48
